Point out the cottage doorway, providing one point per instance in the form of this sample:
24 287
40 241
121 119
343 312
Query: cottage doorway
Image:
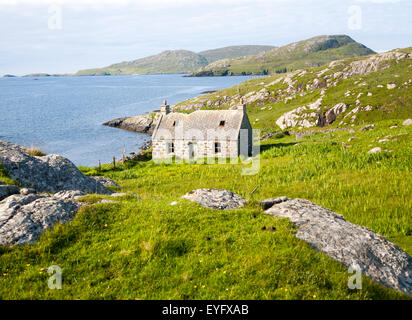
192 150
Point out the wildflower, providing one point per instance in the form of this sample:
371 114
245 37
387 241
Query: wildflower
4 274
314 296
203 286
201 261
28 265
195 286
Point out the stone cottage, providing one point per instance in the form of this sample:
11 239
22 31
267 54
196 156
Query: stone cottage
202 134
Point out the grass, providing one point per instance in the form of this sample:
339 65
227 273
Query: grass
149 249
35 152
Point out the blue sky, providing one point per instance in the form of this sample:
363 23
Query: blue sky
63 36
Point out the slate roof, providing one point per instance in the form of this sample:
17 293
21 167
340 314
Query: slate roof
176 125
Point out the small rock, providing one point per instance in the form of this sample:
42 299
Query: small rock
117 195
368 127
216 199
107 201
106 181
375 150
351 138
174 203
393 127
69 195
391 86
384 140
26 191
268 203
407 122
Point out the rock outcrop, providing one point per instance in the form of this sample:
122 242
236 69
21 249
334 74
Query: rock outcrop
141 124
106 181
23 218
216 199
50 173
349 244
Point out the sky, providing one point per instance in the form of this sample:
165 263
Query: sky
64 36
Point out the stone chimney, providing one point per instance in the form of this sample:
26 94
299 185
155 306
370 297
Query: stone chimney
165 108
242 106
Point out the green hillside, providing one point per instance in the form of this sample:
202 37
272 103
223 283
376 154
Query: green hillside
313 52
233 52
177 61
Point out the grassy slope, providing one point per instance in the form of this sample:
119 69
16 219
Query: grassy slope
233 52
177 61
308 53
148 249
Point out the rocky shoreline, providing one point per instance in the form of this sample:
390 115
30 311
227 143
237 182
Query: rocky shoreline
140 124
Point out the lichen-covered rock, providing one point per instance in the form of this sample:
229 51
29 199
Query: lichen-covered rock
142 124
268 203
106 181
8 190
51 173
304 117
349 244
334 112
26 191
23 218
69 195
407 122
216 199
375 150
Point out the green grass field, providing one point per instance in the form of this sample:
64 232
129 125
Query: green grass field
149 249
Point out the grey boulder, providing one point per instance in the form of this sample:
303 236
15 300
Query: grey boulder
216 199
51 173
350 244
23 218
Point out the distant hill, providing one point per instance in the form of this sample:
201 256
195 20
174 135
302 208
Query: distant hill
233 52
313 52
177 61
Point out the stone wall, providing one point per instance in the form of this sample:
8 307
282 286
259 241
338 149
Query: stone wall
202 149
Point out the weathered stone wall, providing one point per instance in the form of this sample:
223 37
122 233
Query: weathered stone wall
202 149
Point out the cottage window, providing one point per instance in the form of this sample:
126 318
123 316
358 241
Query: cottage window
222 123
218 147
176 123
171 147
